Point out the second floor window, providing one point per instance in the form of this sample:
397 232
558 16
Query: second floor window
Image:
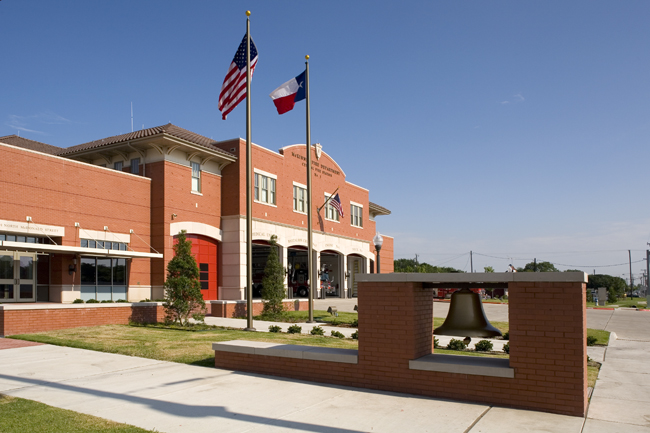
196 176
299 199
356 215
135 166
264 189
330 211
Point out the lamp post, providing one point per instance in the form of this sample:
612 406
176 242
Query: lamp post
378 241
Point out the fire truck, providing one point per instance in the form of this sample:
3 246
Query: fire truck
445 293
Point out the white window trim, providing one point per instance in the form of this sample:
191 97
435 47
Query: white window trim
265 173
360 206
270 175
200 183
327 195
299 185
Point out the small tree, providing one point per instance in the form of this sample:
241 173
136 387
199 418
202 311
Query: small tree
273 283
183 296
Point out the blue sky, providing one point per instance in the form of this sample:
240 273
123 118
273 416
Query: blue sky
517 130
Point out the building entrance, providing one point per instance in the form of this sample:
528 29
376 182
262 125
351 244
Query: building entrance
330 274
297 275
355 266
17 277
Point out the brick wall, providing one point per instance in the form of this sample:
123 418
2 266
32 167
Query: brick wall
238 309
395 322
25 321
60 192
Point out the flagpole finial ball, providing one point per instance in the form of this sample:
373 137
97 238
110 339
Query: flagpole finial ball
248 13
307 57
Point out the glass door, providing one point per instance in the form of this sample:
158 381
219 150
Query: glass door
17 277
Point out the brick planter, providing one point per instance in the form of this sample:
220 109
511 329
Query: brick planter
30 318
547 370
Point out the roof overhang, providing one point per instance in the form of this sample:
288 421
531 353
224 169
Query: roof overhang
65 249
164 143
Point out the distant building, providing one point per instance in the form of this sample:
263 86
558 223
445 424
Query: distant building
98 220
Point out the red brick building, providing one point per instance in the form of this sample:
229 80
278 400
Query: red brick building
98 220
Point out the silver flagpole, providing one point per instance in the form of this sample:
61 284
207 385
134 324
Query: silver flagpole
310 259
249 196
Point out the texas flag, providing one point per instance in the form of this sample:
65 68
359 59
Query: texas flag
285 96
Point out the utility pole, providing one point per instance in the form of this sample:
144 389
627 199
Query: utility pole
629 253
535 264
471 262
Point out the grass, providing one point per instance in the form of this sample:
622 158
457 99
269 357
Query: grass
602 336
623 303
501 326
20 415
322 316
194 348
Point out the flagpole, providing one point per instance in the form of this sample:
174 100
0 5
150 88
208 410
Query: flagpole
310 259
249 174
328 199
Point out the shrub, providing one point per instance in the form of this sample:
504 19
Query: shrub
107 302
355 323
275 328
119 301
591 340
92 301
456 344
506 335
436 343
183 296
506 348
273 282
78 301
294 329
317 330
337 334
145 300
355 335
483 346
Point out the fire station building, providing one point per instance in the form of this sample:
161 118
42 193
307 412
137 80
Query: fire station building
98 220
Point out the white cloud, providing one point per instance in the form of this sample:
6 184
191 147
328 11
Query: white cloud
27 123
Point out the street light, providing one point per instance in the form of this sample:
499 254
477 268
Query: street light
378 241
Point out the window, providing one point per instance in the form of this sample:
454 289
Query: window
330 211
135 166
299 199
88 243
103 279
356 215
118 165
264 189
196 176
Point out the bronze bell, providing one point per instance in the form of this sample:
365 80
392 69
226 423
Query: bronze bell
466 317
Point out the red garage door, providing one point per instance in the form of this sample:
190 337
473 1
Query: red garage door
205 253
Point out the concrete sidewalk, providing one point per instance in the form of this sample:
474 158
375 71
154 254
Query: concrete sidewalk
172 397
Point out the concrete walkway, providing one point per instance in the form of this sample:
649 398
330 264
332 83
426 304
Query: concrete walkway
172 397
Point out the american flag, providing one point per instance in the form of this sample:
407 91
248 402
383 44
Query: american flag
336 203
233 90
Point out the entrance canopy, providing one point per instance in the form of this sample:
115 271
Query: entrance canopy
65 249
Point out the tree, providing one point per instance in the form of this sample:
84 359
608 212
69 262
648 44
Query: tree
273 283
615 286
538 267
488 269
410 265
183 296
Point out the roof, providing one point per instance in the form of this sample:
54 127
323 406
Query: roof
168 129
378 210
26 143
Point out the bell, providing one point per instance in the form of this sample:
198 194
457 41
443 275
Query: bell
466 317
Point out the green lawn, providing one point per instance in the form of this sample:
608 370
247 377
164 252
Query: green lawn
18 415
343 319
623 303
602 336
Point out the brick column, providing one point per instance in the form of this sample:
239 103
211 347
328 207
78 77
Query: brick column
395 323
548 342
